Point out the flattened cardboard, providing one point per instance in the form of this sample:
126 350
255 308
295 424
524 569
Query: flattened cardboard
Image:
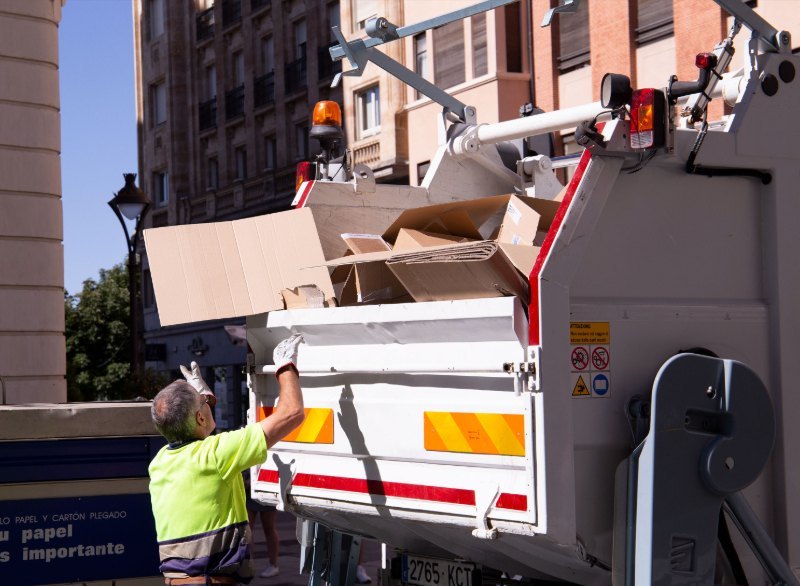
463 271
233 269
460 218
408 239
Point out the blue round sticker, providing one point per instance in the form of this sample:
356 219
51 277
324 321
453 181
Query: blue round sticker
600 384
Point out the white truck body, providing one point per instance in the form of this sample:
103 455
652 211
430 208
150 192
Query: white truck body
637 267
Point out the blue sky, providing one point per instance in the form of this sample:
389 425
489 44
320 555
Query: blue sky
98 131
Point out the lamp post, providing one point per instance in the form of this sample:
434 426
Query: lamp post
132 203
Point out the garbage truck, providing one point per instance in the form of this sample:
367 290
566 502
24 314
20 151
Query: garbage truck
508 379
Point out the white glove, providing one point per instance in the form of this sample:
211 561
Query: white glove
285 353
193 378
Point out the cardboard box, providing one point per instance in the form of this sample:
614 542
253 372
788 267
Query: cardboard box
306 296
370 282
362 243
233 269
429 267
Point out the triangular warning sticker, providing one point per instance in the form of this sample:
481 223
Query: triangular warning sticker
580 390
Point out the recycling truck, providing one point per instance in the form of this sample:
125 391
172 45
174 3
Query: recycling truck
626 414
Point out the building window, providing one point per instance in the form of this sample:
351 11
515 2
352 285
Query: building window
362 11
448 54
270 158
300 39
158 103
514 37
654 20
238 69
267 55
573 39
301 141
240 156
213 173
421 58
480 58
333 19
211 82
161 188
155 9
368 111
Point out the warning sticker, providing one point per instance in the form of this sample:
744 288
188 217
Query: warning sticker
600 358
590 358
580 389
580 358
591 333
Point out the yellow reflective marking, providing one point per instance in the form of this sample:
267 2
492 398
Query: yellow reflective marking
507 432
317 428
450 433
315 420
475 433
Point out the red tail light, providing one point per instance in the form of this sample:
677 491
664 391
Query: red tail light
305 172
648 111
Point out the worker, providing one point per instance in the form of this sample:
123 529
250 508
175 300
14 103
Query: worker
196 486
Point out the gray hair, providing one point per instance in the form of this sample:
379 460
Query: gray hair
173 411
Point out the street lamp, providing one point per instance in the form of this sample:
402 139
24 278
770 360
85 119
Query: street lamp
132 203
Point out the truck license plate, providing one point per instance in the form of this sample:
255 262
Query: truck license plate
435 572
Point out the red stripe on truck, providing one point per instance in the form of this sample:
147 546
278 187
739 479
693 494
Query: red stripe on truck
458 496
534 336
304 196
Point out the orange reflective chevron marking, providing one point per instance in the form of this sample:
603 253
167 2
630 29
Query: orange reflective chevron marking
316 429
475 433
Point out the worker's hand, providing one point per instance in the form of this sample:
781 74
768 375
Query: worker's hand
193 378
285 353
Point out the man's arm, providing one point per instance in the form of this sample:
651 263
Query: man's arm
289 414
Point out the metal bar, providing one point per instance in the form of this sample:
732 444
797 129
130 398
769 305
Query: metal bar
752 20
396 368
759 541
419 83
337 52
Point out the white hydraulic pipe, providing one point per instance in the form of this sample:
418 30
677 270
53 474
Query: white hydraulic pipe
538 124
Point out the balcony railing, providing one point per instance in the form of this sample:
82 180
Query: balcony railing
208 114
264 89
296 75
327 68
231 12
234 103
205 24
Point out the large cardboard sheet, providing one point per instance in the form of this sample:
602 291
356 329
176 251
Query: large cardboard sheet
233 269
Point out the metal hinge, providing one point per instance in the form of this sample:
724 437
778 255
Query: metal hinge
520 367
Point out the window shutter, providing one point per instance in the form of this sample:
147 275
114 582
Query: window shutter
448 54
573 33
480 63
654 20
